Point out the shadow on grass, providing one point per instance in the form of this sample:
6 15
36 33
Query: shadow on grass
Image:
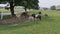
18 26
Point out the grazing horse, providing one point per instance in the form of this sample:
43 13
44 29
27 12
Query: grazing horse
33 15
24 16
36 16
46 15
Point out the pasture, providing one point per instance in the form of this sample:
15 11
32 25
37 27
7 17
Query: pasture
48 25
8 11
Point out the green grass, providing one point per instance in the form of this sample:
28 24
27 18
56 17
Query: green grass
48 25
7 11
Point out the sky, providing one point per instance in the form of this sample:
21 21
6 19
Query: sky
48 3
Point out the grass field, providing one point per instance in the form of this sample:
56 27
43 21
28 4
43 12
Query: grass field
7 11
48 25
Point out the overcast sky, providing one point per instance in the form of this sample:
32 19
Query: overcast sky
48 3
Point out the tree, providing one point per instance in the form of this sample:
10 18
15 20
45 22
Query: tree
25 5
30 4
11 6
53 7
45 8
33 4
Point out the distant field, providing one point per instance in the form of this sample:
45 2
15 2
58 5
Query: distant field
7 11
48 25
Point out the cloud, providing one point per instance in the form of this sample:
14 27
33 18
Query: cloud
48 3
